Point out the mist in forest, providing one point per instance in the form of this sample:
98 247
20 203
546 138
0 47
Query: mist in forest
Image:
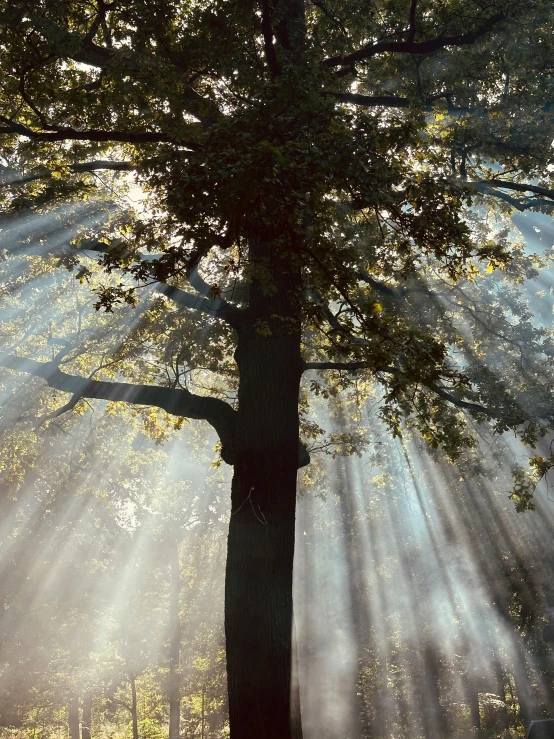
424 603
422 599
421 603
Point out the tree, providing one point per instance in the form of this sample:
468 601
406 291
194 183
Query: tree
318 176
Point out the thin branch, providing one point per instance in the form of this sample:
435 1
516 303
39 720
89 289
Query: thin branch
329 15
332 319
514 202
437 389
387 101
140 66
414 47
475 407
59 411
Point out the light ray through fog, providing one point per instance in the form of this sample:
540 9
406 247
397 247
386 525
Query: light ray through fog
396 583
38 234
419 589
67 532
452 548
443 605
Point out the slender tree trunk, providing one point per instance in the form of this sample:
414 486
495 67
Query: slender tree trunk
174 646
500 679
203 710
73 717
258 587
528 709
134 713
436 715
295 708
474 712
87 716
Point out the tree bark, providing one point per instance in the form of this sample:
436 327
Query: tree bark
73 717
87 716
174 646
258 587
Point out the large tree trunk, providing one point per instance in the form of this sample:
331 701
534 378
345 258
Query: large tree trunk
174 646
258 587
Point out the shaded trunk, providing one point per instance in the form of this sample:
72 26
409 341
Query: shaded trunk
87 716
528 708
174 646
73 717
474 712
543 665
435 714
258 587
203 726
134 714
500 679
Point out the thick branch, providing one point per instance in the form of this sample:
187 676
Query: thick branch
269 48
340 366
195 279
415 47
217 308
376 285
207 303
494 189
396 101
412 31
518 186
475 407
72 134
528 204
203 302
12 176
178 402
